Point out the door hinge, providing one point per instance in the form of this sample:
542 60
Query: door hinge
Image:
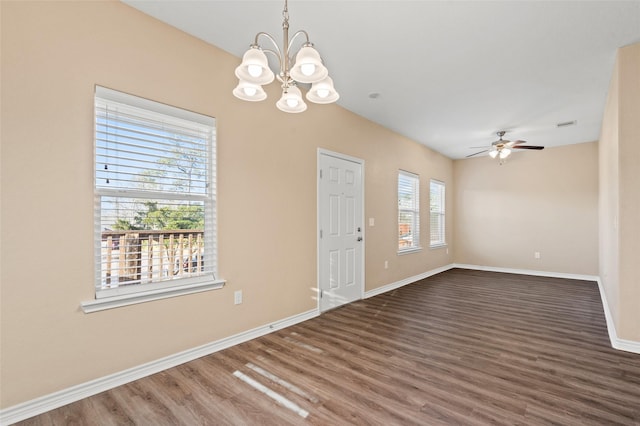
321 293
320 173
321 233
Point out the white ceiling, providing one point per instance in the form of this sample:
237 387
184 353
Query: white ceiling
449 74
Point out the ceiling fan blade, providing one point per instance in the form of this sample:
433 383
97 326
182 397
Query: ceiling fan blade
486 150
537 147
518 142
478 147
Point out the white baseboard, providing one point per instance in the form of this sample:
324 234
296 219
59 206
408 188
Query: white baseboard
527 272
427 274
66 396
402 283
616 342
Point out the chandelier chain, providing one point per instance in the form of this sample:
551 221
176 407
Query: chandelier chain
285 12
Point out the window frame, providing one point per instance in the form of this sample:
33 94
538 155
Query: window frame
107 298
440 212
414 212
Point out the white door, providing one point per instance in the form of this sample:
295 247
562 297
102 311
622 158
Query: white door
340 221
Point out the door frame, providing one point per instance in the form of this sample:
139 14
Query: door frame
359 161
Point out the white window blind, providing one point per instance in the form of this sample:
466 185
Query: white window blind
155 195
437 213
408 211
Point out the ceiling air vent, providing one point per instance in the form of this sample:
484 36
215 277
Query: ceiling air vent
567 123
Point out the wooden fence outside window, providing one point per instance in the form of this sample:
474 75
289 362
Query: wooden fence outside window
134 257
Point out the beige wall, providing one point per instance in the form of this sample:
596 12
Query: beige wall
608 199
620 195
544 201
53 53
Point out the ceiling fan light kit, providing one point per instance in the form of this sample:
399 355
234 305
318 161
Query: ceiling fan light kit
502 148
254 72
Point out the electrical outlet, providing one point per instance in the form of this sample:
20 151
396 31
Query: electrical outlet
536 254
237 297
386 264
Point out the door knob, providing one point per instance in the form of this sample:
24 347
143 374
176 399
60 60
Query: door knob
359 238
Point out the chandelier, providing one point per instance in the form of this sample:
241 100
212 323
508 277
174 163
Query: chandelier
254 72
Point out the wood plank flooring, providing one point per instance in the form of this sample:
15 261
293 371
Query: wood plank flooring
462 347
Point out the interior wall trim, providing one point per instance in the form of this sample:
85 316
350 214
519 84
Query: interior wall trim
528 272
406 281
616 342
63 397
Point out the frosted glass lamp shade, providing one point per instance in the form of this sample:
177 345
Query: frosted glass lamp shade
255 67
493 153
323 92
291 101
504 153
249 92
308 67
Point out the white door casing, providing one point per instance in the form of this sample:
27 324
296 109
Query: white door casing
340 230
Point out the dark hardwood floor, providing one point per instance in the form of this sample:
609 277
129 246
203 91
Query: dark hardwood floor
462 347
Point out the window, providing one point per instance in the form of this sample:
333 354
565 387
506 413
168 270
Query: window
154 197
408 211
436 210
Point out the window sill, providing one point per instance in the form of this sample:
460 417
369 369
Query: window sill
105 303
409 251
437 246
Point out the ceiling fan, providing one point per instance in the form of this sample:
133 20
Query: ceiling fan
502 147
